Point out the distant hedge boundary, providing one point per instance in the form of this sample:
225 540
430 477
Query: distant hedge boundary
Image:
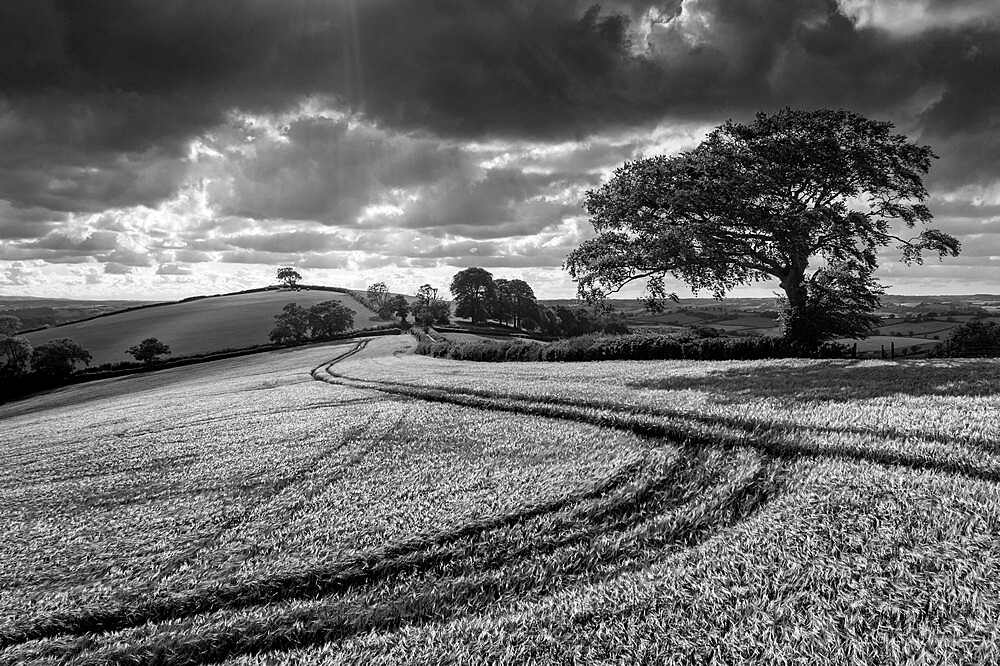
22 387
633 346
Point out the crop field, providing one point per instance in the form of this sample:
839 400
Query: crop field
920 328
406 509
195 327
874 343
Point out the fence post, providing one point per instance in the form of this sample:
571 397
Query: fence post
892 350
854 351
881 351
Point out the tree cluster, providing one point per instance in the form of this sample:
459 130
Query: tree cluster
482 298
53 360
429 309
387 305
321 321
976 338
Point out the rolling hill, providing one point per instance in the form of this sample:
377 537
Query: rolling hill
193 327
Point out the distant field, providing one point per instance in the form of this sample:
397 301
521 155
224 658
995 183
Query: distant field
876 342
671 318
35 312
478 337
923 328
750 322
194 327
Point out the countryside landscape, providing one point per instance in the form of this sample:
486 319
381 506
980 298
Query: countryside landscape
503 333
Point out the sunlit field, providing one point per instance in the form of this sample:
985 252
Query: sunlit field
406 509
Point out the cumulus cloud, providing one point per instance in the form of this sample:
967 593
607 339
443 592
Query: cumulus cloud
173 269
344 134
114 268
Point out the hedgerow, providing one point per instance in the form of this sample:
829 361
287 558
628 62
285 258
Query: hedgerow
635 346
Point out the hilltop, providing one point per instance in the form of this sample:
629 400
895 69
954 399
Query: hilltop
194 326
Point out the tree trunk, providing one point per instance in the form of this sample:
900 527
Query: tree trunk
795 320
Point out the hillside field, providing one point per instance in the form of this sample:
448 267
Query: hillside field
405 509
194 327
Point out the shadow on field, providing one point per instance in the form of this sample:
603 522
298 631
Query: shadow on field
631 417
841 381
644 512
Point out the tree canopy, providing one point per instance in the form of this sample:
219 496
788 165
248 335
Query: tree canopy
290 325
149 350
429 309
323 320
15 351
58 358
515 301
474 293
289 276
329 318
398 306
378 299
803 197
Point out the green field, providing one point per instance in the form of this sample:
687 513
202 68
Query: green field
416 510
875 343
195 327
920 328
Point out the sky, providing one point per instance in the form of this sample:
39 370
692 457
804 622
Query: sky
157 150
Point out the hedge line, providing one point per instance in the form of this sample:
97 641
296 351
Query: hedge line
635 346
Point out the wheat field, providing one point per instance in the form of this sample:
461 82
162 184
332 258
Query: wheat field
405 509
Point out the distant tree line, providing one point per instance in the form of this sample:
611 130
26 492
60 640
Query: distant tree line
55 359
481 298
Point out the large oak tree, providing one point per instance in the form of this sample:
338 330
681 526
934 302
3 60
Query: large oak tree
804 197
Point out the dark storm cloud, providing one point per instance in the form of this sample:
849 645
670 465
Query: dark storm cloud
27 223
290 241
155 72
99 103
488 206
324 169
126 77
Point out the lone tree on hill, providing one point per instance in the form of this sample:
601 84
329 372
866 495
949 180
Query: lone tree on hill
761 201
148 350
289 276
58 358
474 293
